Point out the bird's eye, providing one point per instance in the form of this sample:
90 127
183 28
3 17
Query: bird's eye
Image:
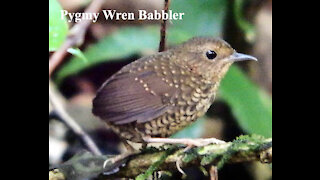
211 54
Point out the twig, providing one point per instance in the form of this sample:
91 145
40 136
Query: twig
74 38
213 173
61 112
244 149
162 45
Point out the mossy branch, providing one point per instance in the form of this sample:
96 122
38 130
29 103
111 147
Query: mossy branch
172 158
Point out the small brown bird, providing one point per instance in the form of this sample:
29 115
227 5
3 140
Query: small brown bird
156 96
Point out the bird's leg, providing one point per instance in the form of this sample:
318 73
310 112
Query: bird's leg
144 145
128 146
130 151
185 141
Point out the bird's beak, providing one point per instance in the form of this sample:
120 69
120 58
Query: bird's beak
241 57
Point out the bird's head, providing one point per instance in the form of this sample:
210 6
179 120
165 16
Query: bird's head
209 57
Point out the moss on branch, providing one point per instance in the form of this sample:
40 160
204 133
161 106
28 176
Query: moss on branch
168 158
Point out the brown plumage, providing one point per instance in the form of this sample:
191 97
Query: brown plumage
160 94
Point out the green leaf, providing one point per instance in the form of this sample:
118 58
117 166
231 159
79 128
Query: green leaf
78 53
251 106
58 28
202 18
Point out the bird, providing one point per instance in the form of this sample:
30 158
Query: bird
154 97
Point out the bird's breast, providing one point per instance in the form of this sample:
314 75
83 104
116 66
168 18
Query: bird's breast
192 101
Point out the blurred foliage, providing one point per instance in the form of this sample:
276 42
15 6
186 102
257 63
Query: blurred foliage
202 18
58 31
119 45
58 28
78 53
251 107
129 40
244 25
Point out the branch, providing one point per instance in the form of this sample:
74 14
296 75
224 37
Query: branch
58 106
74 38
243 149
162 45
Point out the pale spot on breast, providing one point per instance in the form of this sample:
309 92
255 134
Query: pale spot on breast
193 79
190 102
147 126
182 111
194 99
184 87
153 124
182 103
159 123
165 120
148 131
196 95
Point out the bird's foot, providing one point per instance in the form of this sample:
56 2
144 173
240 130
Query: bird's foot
118 159
121 158
185 141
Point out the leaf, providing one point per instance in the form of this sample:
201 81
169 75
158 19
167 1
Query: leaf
202 18
58 28
251 106
78 53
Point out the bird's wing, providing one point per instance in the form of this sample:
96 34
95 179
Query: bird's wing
128 97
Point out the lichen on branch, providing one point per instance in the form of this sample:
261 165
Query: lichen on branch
141 165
